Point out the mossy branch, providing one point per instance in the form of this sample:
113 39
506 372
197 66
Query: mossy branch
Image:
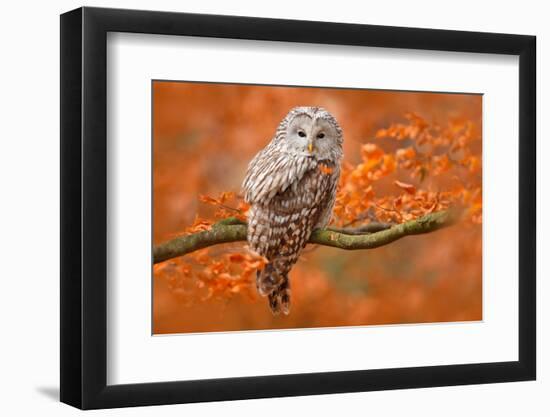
370 236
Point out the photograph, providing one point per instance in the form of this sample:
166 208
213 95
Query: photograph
192 188
294 207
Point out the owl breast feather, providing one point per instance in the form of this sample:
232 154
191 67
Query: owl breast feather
271 172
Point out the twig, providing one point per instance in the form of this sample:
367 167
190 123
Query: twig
371 227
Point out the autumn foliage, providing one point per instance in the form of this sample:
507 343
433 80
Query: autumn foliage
406 154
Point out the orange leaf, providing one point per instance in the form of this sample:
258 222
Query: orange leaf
370 151
236 257
226 195
409 188
325 169
243 207
405 153
398 203
381 133
208 200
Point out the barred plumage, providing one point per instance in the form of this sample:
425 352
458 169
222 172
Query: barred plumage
291 187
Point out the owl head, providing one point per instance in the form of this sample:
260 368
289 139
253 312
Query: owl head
312 132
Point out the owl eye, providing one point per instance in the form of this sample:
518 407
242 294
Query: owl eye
301 133
320 135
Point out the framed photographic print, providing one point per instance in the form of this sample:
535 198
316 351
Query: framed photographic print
257 208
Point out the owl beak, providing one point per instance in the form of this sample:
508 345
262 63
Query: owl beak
310 147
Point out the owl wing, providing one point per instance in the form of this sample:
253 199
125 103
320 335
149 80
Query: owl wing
331 188
280 227
271 172
282 224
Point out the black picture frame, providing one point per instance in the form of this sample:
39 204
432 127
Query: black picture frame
84 207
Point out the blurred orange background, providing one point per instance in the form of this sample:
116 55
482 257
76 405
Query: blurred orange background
204 135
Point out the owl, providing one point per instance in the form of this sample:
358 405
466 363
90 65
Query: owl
291 187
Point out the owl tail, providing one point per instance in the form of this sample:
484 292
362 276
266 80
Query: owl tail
274 283
279 299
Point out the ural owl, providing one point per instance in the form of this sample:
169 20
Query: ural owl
291 186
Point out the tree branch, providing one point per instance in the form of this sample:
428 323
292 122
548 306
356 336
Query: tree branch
370 236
